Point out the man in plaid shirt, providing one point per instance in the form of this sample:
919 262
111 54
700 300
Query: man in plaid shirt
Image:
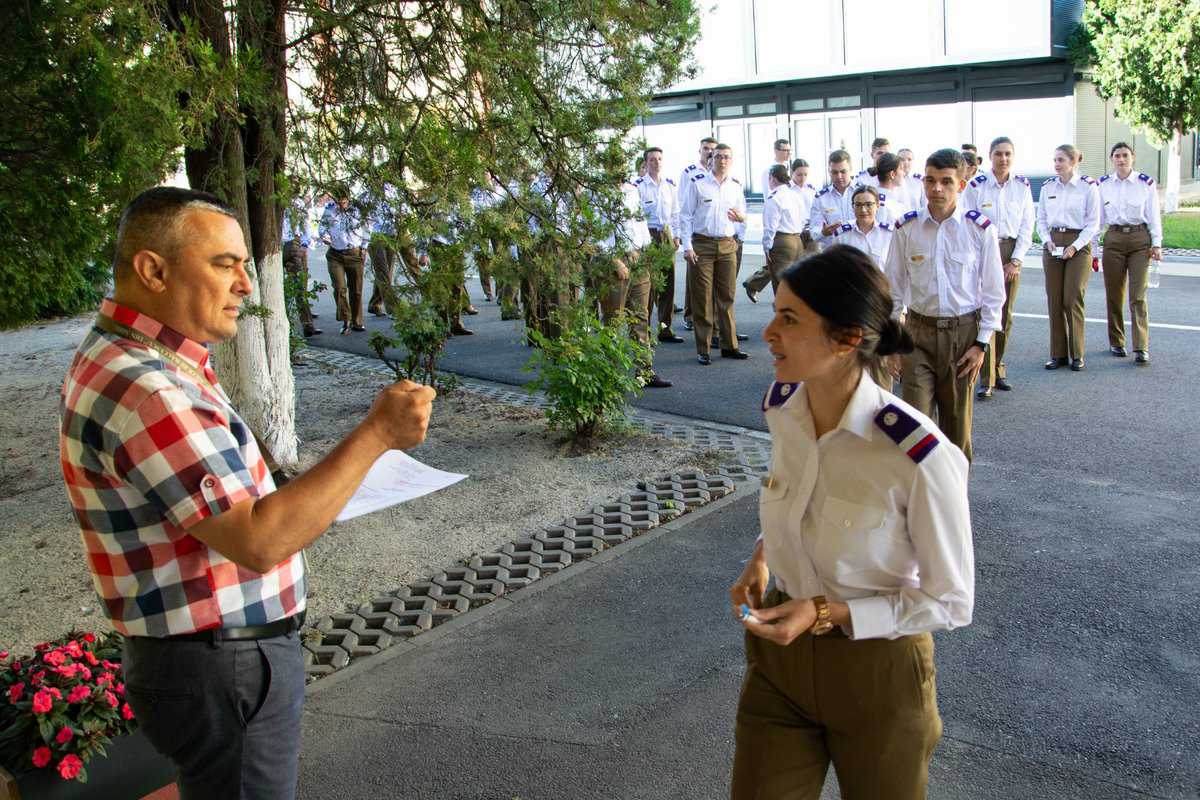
195 555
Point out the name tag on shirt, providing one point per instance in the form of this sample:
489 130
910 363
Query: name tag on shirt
985 205
708 199
917 259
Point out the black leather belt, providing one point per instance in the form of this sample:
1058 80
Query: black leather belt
270 630
944 322
1128 228
1075 231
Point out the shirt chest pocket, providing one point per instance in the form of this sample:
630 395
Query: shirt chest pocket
774 504
852 518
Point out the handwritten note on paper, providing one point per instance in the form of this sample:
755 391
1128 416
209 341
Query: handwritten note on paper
395 478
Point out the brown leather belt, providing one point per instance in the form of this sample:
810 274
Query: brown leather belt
1073 231
270 630
944 322
1128 228
713 238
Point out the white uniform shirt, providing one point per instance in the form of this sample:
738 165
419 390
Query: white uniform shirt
947 269
766 182
1132 201
632 232
1075 205
1008 206
874 242
873 514
660 202
893 205
783 212
865 178
704 207
346 228
829 207
914 191
807 194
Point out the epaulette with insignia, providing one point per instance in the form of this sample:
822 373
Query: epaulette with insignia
978 219
914 439
823 192
979 180
917 175
773 192
699 176
882 199
1090 179
639 180
668 180
691 167
845 226
887 226
1145 178
1023 179
735 180
810 186
909 216
778 394
1103 178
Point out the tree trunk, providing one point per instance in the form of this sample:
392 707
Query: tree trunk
1171 185
255 366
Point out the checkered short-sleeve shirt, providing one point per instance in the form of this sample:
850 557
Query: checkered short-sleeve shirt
148 452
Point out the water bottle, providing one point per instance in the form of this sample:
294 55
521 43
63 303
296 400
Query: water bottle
1154 276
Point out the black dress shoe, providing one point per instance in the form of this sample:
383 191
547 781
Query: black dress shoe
1119 352
678 309
345 329
311 331
358 328
655 381
1141 357
738 354
1076 364
668 335
704 360
753 295
1003 385
471 311
375 312
316 315
1055 363
743 337
459 330
984 393
687 324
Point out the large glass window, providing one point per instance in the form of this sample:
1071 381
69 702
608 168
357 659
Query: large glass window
762 136
1036 128
845 133
734 135
797 38
922 129
680 143
808 142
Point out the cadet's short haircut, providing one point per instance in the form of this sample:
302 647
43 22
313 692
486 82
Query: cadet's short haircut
971 158
708 140
1121 146
649 150
780 173
969 146
154 219
838 156
999 140
797 163
865 188
946 158
879 142
904 150
781 142
723 146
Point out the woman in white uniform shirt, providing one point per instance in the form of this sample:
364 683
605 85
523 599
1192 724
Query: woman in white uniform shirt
807 193
893 200
867 532
1068 217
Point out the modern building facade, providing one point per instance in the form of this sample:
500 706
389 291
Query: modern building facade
926 74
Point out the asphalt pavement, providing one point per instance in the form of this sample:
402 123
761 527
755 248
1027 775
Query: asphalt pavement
1080 676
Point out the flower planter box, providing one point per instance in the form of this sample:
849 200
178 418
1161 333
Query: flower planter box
131 769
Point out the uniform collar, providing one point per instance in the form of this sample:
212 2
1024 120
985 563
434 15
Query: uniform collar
859 416
189 350
956 216
1076 178
1132 177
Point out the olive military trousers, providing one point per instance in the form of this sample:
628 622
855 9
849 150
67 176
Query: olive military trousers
929 379
1127 262
712 280
346 271
868 706
1066 285
993 361
785 251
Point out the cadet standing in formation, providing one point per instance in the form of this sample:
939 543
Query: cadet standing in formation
708 146
1133 236
1007 201
944 267
893 202
783 156
831 206
879 146
660 205
783 221
712 210
807 194
383 255
911 183
1068 219
866 234
343 228
866 530
297 236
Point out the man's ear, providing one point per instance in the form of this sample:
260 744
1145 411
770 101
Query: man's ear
150 270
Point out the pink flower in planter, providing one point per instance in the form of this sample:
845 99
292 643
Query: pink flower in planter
84 672
64 734
90 657
57 694
55 658
79 694
73 649
42 702
126 711
110 665
89 637
3 654
69 767
41 648
41 757
15 691
111 698
67 670
105 679
119 689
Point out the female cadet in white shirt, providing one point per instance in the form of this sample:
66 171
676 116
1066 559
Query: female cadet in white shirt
867 532
1068 219
1129 209
893 200
807 193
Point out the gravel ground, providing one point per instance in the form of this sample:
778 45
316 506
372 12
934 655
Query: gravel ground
521 478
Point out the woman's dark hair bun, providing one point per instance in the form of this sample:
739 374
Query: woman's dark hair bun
893 339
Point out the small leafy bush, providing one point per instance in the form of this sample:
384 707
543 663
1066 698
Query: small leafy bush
421 331
589 372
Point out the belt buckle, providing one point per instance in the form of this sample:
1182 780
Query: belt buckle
944 323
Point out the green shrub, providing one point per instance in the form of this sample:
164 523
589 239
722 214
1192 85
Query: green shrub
421 331
588 372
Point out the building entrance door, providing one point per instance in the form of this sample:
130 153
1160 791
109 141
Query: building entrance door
816 135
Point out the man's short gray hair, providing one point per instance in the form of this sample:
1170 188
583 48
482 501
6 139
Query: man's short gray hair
154 220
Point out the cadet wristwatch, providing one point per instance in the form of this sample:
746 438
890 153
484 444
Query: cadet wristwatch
823 624
983 346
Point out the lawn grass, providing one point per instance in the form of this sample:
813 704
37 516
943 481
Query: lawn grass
1180 230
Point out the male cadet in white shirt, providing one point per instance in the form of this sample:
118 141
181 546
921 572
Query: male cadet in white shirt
712 210
659 198
1006 200
879 146
831 206
708 146
784 219
944 266
783 154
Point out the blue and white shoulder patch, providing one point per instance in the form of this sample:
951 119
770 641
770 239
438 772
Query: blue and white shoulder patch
668 180
640 180
778 394
844 228
1103 178
979 180
918 176
823 192
773 192
978 219
1146 179
887 226
915 439
691 167
699 176
735 180
1023 179
911 215
1089 179
810 186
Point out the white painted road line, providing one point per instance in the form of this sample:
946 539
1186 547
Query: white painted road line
1105 322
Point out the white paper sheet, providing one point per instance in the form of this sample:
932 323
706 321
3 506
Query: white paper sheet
395 478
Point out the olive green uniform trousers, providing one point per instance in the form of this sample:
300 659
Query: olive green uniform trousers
1127 262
